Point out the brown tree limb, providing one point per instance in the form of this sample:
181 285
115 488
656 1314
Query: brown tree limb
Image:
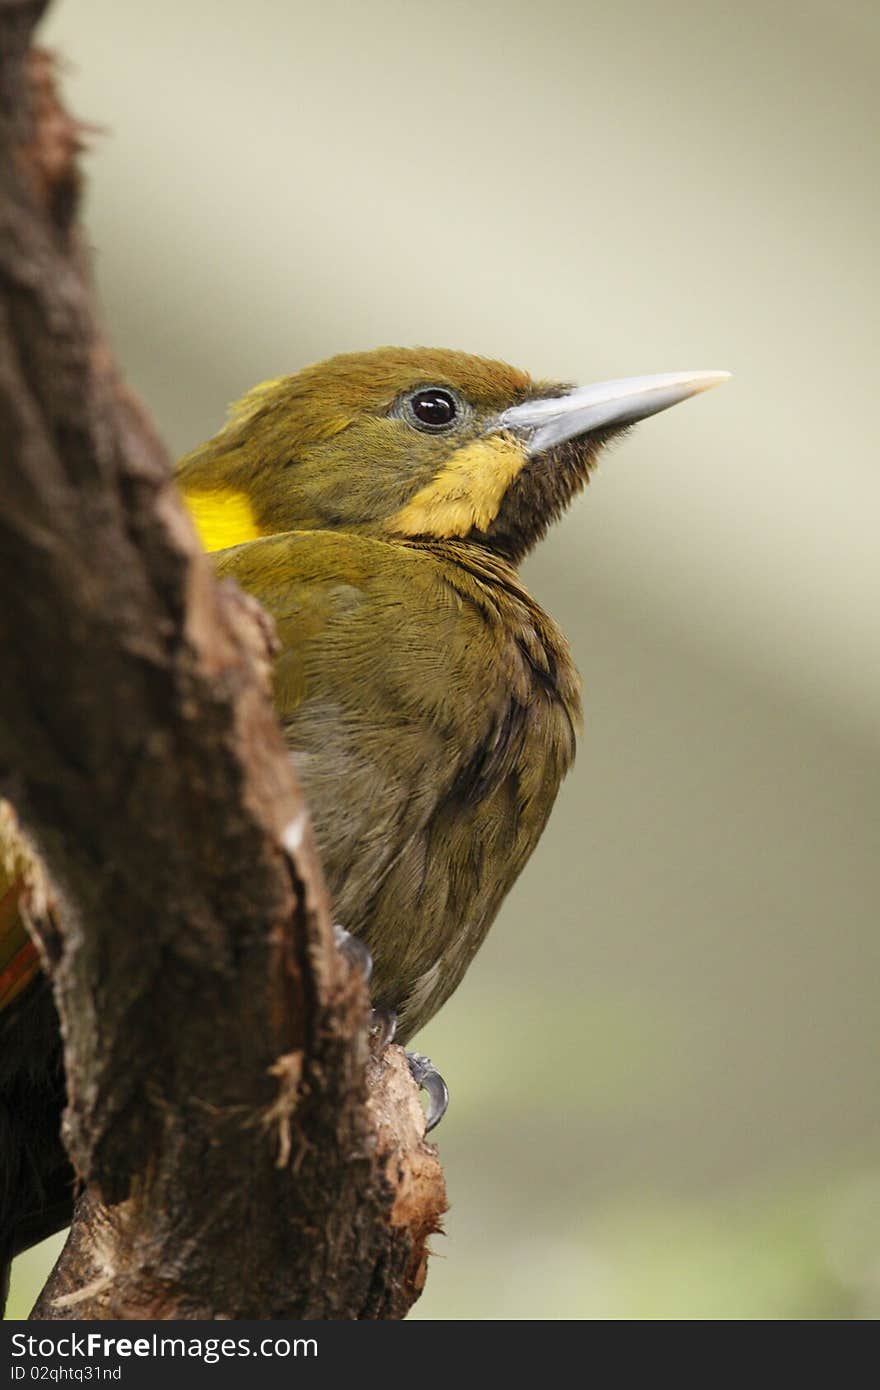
240 1154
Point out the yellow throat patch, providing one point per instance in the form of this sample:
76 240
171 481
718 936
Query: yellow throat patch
467 493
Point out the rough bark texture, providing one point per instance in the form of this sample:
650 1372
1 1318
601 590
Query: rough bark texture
233 1162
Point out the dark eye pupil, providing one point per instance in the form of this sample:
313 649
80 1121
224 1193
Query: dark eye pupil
434 407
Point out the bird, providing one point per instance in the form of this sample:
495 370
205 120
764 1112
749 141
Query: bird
378 505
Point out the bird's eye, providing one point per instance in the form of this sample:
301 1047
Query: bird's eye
433 408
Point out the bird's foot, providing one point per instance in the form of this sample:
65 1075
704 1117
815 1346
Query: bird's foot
383 1026
428 1079
383 1022
356 950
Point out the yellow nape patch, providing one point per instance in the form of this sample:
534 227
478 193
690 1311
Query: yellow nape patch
467 493
223 517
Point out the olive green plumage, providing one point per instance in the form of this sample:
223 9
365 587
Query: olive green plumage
383 500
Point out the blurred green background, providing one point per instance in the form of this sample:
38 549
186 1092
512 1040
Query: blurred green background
664 1064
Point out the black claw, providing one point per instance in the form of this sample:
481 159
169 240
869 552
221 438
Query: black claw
428 1079
383 1026
356 950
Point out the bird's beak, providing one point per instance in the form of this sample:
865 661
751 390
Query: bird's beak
554 419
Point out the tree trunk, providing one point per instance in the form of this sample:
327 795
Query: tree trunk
240 1154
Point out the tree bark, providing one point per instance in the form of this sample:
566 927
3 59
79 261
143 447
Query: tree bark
240 1153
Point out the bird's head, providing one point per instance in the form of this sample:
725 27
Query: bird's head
416 444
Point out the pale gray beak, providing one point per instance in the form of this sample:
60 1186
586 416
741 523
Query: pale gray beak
555 419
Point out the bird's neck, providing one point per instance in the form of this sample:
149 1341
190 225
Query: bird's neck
492 584
484 565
